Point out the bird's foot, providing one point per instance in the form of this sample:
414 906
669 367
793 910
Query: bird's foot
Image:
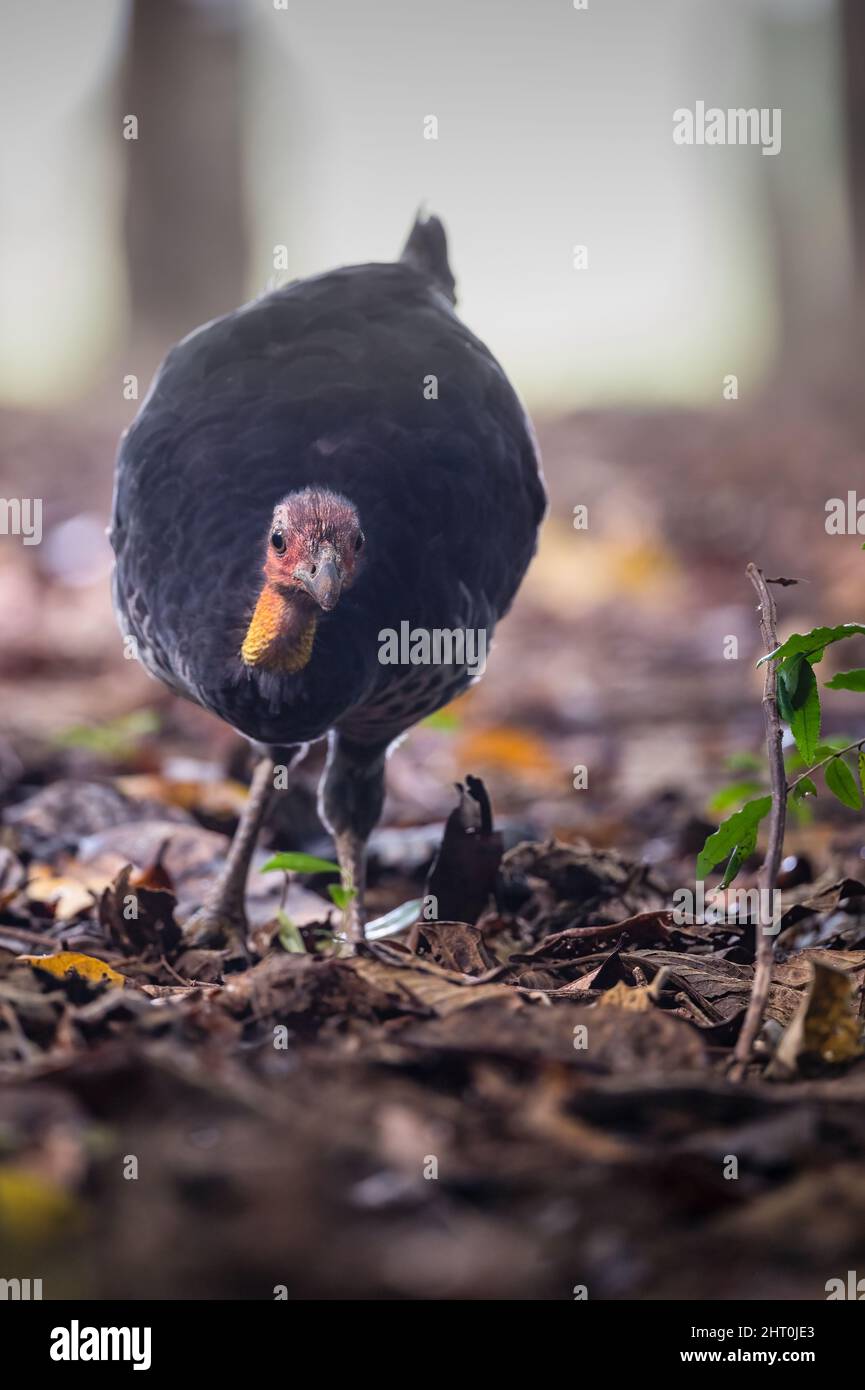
353 922
216 925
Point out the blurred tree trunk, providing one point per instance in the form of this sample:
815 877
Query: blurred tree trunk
853 59
811 251
185 224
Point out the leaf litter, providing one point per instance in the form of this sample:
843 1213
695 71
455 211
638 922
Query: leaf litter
525 1093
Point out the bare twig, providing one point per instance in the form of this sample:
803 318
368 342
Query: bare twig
768 875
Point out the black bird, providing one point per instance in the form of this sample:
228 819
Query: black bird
332 476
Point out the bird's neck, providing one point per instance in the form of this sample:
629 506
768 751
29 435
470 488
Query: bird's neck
281 632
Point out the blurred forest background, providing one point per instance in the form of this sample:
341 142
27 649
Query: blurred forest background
261 127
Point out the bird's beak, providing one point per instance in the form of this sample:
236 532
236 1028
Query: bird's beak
325 584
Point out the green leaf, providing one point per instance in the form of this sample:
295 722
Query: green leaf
291 863
118 739
733 795
290 938
793 761
803 700
742 851
394 921
836 743
804 788
442 719
341 896
732 832
812 644
788 684
840 780
743 762
847 680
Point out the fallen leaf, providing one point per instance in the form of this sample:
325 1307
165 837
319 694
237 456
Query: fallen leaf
622 996
626 1042
463 877
69 896
456 946
220 798
137 911
826 1028
33 1209
65 963
511 750
645 927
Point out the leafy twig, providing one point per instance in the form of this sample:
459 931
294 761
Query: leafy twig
768 874
836 753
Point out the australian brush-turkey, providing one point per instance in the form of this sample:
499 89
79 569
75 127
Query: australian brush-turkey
334 462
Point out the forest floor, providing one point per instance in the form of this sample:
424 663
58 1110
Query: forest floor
529 1096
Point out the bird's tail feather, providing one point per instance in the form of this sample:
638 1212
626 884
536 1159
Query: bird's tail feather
427 251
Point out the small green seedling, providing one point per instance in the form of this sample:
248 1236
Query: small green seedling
291 862
841 760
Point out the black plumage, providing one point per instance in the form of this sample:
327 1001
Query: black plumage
326 384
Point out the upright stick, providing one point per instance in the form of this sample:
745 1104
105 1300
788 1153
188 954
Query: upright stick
768 875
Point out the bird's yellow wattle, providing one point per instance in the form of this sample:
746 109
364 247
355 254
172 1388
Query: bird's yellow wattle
275 639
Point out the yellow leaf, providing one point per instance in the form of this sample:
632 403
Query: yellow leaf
73 963
576 571
32 1209
622 996
508 748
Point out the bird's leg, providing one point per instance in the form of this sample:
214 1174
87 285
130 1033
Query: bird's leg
351 853
350 802
222 914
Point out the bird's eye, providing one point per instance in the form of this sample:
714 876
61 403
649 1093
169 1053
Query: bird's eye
277 540
358 545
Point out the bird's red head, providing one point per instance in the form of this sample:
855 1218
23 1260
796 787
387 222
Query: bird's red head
314 551
314 546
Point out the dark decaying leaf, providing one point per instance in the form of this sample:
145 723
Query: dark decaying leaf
562 1061
614 1040
137 911
59 816
455 946
645 927
463 878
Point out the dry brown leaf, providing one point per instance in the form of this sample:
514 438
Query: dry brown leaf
219 797
430 987
456 946
825 1028
67 893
